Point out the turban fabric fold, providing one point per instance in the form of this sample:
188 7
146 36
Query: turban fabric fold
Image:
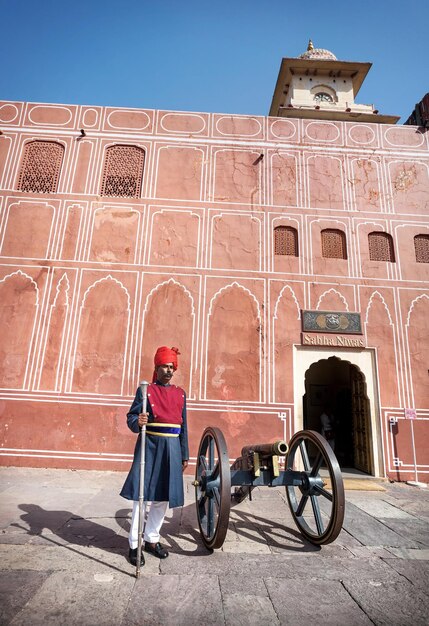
165 355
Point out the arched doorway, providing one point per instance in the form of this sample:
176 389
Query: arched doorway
338 388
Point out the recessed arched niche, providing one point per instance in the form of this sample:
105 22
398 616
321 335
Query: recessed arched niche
169 321
99 360
51 374
18 309
418 347
380 334
234 345
286 325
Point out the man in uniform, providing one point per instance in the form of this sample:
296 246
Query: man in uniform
166 453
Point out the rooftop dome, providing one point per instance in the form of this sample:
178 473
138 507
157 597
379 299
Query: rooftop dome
317 53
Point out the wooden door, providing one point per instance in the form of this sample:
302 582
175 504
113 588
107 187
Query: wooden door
361 423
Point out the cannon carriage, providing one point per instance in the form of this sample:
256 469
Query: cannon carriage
311 476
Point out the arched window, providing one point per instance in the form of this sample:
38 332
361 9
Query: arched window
323 93
381 247
40 168
333 244
421 246
286 241
123 172
322 96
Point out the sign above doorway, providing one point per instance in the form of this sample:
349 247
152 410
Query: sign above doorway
331 322
336 340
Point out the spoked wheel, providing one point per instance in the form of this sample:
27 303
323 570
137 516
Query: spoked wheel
317 504
213 488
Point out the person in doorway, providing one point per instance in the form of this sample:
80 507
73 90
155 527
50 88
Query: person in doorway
328 426
166 454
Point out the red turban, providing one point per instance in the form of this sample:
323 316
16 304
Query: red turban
165 355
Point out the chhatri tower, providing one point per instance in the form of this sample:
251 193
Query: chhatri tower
316 85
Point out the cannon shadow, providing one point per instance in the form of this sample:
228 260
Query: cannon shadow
270 532
180 531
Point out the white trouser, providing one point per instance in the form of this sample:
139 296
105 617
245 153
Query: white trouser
155 513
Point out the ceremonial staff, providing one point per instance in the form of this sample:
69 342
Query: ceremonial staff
143 387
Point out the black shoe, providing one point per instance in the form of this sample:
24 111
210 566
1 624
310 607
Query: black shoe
132 555
157 551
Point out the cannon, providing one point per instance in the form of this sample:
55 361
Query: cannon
316 502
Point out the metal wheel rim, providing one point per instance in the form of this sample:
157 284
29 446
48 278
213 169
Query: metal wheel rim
304 501
213 504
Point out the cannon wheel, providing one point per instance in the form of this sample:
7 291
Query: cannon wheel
317 505
213 488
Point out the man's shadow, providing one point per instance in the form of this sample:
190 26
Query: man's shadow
71 532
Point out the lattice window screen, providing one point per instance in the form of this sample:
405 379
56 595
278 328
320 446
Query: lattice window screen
123 172
285 241
41 165
421 246
333 244
381 247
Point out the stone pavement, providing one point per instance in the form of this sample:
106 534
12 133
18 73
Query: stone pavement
63 539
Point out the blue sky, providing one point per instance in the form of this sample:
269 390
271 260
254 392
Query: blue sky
218 56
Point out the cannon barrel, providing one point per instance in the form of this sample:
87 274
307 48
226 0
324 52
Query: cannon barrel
278 448
255 458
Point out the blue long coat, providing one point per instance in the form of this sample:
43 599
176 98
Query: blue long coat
163 481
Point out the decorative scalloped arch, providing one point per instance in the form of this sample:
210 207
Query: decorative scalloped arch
64 278
234 284
170 281
294 298
332 290
413 303
373 295
19 273
103 280
327 357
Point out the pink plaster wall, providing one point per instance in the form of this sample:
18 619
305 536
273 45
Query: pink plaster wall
90 286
